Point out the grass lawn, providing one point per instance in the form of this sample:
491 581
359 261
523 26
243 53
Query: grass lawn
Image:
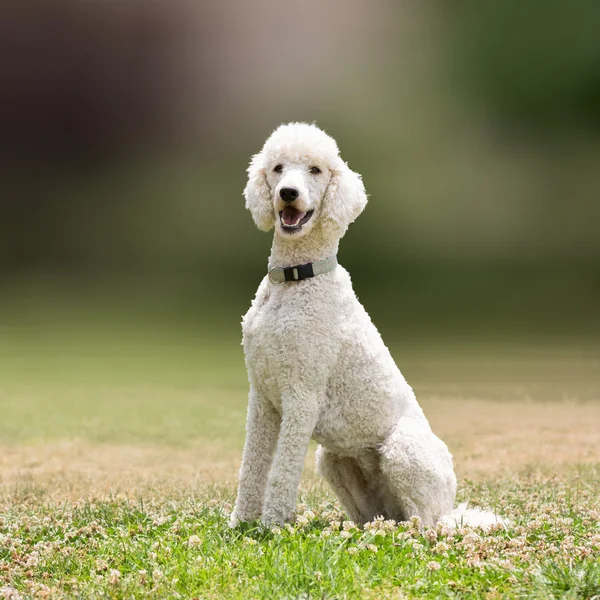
119 454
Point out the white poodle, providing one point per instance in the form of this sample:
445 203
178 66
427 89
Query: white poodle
317 365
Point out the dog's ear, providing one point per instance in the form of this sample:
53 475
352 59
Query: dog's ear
258 194
345 198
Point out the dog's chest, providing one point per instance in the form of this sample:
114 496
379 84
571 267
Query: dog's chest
268 327
275 331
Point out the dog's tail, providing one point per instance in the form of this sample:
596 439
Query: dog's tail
463 516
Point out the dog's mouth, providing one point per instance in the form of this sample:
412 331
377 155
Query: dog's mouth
293 219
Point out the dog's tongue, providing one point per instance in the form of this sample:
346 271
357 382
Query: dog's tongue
291 216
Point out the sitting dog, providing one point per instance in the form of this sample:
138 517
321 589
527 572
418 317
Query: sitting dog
317 365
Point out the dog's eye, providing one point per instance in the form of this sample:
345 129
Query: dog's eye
278 168
314 170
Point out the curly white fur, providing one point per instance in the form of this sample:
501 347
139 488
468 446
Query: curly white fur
318 367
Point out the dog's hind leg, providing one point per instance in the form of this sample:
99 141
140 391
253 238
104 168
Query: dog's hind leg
418 472
355 484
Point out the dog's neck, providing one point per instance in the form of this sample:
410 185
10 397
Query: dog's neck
291 251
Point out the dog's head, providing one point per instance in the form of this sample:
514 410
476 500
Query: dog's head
298 180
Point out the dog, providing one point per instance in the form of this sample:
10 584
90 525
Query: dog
317 366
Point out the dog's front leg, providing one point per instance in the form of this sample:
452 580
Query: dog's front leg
297 424
262 428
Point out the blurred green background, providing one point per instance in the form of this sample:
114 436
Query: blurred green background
127 128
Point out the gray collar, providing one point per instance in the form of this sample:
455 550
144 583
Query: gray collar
280 275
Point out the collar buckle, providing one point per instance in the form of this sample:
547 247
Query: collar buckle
277 276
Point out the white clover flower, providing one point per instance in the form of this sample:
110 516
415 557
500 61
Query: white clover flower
8 591
431 535
101 565
114 577
505 564
416 522
301 520
441 548
32 560
471 538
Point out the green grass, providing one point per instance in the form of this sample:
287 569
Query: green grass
169 389
123 385
180 546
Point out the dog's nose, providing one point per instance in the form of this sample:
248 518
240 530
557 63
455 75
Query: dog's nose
288 194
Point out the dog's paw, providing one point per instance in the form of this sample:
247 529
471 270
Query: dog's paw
237 519
233 521
268 523
272 518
